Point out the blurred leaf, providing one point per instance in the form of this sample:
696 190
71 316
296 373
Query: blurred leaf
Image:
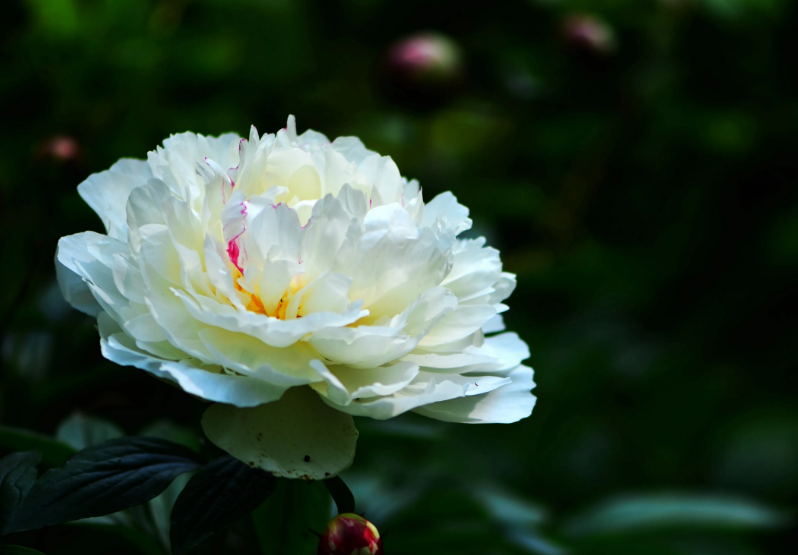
161 507
222 492
103 479
58 18
509 509
286 521
81 431
168 430
18 550
54 453
17 476
651 512
534 542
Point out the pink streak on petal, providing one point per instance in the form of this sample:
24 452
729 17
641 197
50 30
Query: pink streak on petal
233 252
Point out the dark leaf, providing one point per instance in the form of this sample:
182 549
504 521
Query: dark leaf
54 453
18 550
219 494
286 522
341 494
17 476
103 479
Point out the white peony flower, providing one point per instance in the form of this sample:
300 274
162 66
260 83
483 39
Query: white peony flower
307 283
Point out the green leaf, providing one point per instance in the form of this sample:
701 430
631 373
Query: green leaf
17 476
54 453
18 550
103 479
286 522
225 490
81 431
341 494
643 513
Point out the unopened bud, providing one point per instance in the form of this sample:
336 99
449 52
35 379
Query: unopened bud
350 534
587 34
61 149
424 69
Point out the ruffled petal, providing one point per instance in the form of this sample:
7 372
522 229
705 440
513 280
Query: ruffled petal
107 193
210 383
504 405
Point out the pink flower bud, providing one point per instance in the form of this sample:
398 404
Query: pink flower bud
350 534
426 57
61 149
424 69
588 34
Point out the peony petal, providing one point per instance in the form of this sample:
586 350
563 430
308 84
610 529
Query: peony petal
211 385
296 437
344 384
107 193
504 405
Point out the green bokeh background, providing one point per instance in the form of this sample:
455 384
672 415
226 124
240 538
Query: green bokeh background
645 197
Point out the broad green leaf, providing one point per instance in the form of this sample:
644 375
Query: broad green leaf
103 479
222 492
81 431
647 512
18 550
341 494
286 521
17 476
54 453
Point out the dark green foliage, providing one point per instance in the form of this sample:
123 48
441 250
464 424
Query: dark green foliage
341 494
100 480
646 199
290 519
17 476
17 550
222 492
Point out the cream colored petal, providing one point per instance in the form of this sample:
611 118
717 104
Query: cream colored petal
296 437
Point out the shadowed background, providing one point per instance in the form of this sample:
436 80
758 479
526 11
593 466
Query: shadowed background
635 162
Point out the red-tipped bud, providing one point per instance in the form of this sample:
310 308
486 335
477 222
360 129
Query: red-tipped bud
350 534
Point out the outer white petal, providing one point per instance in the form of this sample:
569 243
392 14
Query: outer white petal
296 437
208 383
285 367
494 325
107 193
504 405
426 388
445 213
344 384
69 253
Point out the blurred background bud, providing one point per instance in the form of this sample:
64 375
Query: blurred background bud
587 35
424 69
61 149
350 534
